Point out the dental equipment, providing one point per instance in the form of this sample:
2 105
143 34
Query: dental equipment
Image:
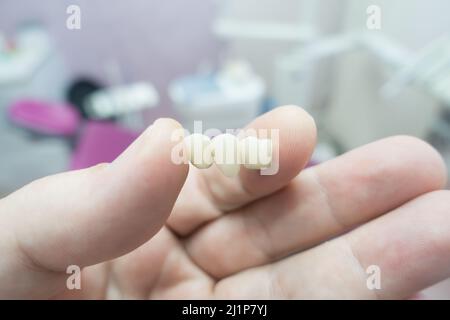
120 100
228 98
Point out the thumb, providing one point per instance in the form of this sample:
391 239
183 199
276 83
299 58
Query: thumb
89 216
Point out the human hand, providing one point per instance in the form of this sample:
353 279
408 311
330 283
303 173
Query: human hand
291 235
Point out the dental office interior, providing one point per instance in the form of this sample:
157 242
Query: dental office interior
77 90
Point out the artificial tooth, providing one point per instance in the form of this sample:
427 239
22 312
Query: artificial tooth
226 152
199 150
256 153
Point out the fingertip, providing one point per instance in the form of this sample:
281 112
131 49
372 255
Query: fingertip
297 134
295 113
171 137
293 134
428 162
170 122
157 146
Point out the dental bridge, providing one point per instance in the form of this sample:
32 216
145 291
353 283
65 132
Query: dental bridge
228 152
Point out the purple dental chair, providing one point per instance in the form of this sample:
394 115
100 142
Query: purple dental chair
95 142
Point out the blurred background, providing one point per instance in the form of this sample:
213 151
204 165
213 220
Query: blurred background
80 79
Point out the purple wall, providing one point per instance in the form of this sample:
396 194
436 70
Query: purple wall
152 40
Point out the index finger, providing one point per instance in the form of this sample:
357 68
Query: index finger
295 144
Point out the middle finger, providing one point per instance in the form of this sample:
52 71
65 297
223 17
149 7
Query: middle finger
321 203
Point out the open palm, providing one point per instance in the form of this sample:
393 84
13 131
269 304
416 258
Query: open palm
308 233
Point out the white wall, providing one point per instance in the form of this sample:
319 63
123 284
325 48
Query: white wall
357 113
